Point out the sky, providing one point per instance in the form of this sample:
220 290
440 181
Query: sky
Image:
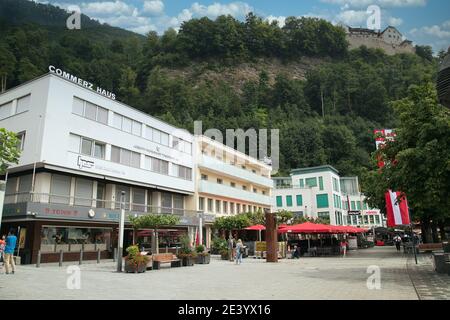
425 22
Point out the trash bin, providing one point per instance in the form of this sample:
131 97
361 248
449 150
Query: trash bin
439 262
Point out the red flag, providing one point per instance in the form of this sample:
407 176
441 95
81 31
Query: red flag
397 209
396 203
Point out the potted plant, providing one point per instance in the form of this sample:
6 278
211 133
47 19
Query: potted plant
186 254
203 257
224 254
134 261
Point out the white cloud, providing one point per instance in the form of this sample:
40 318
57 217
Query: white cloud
437 36
382 3
235 9
352 17
280 19
395 22
153 8
108 8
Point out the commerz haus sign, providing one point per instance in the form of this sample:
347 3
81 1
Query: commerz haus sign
81 82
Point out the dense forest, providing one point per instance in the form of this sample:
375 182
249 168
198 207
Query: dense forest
325 117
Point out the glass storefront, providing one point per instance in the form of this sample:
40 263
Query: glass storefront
73 239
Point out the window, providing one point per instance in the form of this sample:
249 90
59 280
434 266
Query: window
6 110
60 189
301 183
135 159
238 208
99 150
137 128
322 201
324 215
377 219
78 106
255 190
156 136
117 121
127 124
89 110
244 187
371 220
164 139
233 185
182 172
320 183
115 154
125 157
201 204
353 205
219 181
101 192
244 208
83 192
204 177
365 205
156 165
279 201
217 206
232 207
210 205
175 143
311 182
366 220
289 201
21 143
23 104
225 207
86 146
178 203
358 205
299 200
138 200
263 192
354 220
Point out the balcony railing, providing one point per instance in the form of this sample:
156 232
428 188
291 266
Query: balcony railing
234 193
136 208
284 187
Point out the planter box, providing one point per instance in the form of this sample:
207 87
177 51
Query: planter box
203 259
188 261
132 268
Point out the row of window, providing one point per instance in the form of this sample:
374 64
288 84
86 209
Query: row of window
232 184
225 207
354 205
298 199
22 105
96 113
96 149
359 220
136 199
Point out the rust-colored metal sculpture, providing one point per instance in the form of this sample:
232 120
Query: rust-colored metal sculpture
271 237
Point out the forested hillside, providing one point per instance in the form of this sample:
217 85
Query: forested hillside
300 79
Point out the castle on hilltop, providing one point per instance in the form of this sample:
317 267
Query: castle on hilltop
390 40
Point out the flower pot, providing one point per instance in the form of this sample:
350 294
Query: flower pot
133 268
203 259
188 261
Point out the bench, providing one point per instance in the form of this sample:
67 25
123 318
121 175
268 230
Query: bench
441 262
161 258
429 247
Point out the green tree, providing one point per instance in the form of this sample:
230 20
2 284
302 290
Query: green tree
9 151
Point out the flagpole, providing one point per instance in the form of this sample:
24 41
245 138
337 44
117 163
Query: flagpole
411 224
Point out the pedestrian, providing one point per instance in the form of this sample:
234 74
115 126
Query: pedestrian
344 247
230 248
239 251
398 242
2 251
10 246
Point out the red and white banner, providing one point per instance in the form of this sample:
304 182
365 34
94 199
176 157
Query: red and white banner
397 209
396 205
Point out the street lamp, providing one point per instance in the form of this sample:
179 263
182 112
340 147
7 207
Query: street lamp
121 228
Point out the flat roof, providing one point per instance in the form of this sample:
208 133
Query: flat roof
49 74
314 169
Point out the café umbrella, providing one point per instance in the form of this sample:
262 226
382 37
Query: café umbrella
258 227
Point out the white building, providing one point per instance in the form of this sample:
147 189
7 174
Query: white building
319 192
81 150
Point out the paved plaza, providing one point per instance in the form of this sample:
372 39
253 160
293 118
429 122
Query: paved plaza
306 278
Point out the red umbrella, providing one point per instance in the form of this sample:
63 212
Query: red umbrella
258 227
307 227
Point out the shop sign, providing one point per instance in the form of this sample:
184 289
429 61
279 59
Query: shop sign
84 163
354 213
371 213
81 82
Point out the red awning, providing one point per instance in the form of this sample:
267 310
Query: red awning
307 227
258 227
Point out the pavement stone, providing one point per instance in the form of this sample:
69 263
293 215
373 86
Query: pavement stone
333 278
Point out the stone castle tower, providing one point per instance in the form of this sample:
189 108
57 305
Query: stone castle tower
390 40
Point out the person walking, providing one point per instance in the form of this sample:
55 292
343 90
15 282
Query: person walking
10 246
2 251
239 251
230 248
343 245
398 242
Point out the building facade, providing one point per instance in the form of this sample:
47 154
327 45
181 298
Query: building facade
81 151
320 192
390 40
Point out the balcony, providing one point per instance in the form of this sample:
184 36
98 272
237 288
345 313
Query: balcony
233 171
40 205
233 193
